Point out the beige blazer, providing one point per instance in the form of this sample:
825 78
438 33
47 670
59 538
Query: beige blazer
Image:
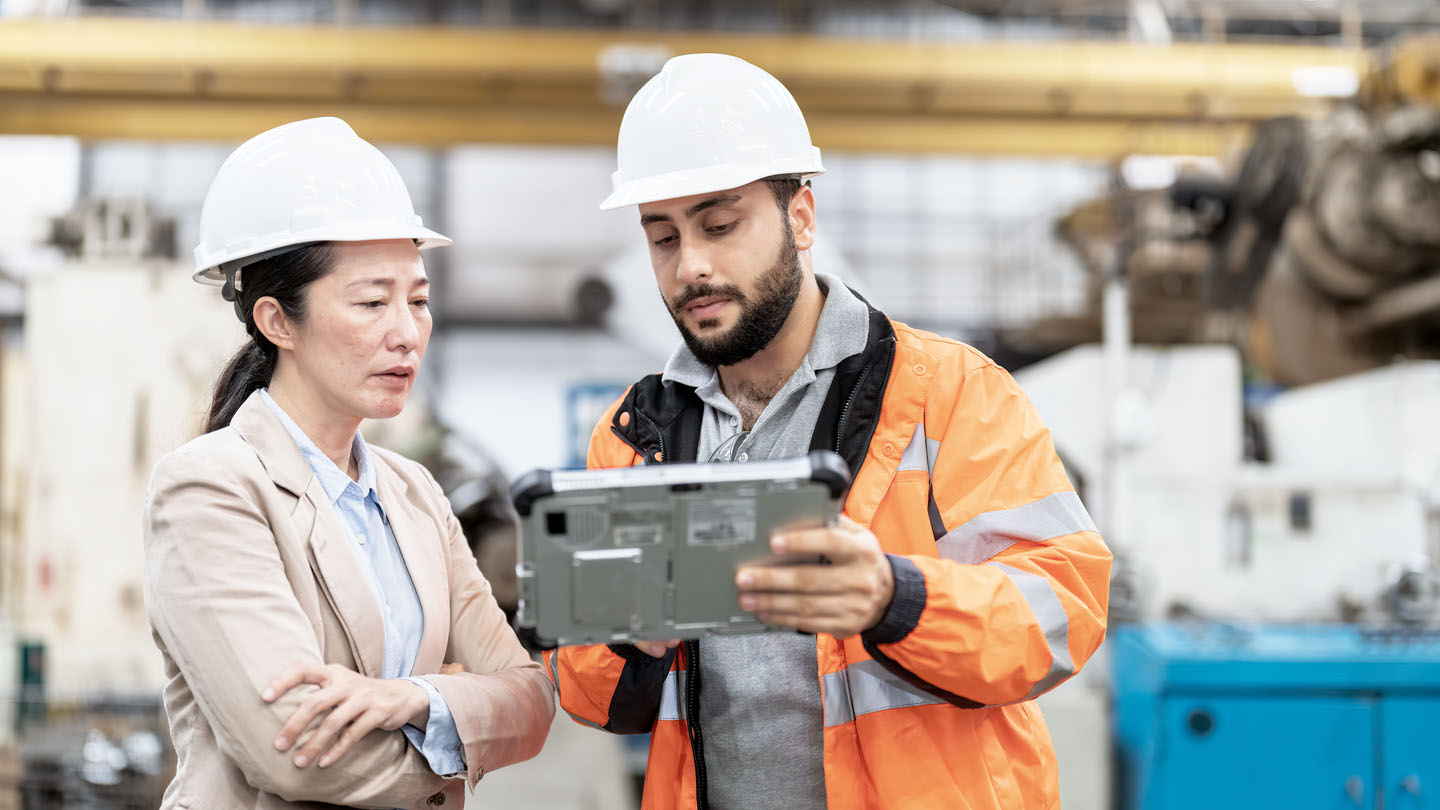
248 569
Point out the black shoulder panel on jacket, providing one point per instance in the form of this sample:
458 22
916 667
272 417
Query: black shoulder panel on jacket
663 417
852 408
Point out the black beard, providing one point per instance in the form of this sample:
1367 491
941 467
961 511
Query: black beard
760 320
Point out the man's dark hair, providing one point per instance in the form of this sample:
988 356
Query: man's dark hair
784 187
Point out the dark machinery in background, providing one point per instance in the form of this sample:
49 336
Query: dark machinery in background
1319 258
1332 246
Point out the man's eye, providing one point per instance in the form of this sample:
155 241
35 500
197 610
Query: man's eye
719 229
422 303
372 304
664 242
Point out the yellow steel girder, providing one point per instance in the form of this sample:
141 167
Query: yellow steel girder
170 79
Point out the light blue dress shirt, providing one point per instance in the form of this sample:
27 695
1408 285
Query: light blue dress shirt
373 542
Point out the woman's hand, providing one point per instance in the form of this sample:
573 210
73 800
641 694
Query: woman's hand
347 706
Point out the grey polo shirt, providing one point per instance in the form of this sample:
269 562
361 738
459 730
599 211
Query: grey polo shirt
760 694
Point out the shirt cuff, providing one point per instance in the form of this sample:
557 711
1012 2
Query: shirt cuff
439 742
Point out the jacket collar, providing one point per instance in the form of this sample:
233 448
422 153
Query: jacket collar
660 416
841 332
278 453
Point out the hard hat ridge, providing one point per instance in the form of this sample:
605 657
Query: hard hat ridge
303 182
708 122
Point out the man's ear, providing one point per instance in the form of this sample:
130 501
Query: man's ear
802 217
271 321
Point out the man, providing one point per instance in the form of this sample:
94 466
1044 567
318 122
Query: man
965 577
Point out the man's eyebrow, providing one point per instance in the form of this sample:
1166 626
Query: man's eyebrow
723 199
707 203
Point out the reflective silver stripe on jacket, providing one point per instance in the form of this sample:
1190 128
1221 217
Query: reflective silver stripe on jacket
867 687
990 533
1045 604
672 696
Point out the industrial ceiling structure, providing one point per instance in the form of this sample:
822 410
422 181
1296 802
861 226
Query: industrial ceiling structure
901 77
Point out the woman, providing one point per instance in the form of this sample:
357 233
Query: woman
305 588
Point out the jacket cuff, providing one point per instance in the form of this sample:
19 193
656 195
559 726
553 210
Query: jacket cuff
906 604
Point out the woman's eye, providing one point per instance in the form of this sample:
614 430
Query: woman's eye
372 304
421 303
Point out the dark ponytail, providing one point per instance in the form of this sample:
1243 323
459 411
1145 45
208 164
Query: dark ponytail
286 278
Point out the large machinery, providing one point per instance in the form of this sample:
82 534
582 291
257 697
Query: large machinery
1265 463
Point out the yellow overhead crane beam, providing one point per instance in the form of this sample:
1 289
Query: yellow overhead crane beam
156 79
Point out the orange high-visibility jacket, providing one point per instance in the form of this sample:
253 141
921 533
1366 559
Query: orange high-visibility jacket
1001 586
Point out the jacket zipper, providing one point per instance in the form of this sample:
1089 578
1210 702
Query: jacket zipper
850 401
692 718
658 435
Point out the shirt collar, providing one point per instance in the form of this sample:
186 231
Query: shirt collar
841 332
332 479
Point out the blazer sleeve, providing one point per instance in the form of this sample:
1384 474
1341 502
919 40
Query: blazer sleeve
1015 602
220 602
612 687
502 704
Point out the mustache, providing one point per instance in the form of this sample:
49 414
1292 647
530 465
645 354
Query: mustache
705 291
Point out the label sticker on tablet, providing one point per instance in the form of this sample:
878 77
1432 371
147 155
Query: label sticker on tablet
721 522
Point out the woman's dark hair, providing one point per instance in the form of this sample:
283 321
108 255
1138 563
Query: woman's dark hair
285 278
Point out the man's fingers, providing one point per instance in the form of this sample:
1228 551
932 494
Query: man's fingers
830 542
293 676
808 624
789 604
367 722
312 707
816 579
656 649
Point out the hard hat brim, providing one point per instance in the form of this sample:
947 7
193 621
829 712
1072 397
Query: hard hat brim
208 263
706 180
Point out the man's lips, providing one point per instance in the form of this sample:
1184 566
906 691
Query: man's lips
706 307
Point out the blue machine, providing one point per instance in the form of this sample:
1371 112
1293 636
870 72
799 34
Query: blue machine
1211 716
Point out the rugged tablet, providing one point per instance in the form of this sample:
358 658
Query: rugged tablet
649 553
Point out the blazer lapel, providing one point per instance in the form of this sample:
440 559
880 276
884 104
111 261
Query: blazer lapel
422 545
345 583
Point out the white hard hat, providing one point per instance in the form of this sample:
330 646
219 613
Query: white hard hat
708 122
307 181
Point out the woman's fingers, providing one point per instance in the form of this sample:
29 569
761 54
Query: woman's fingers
334 724
368 721
293 676
310 708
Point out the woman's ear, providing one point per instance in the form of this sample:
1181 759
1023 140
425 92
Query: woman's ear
271 321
